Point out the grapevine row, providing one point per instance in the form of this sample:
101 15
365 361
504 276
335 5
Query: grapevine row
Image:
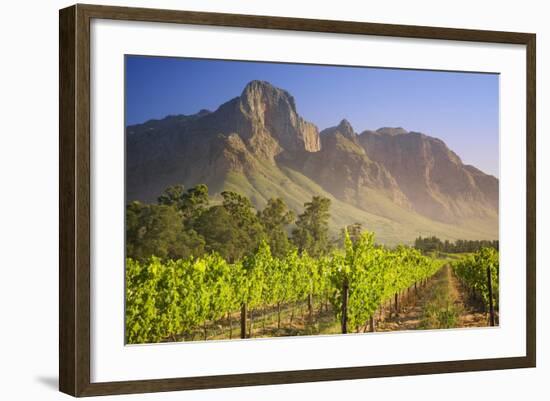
480 273
165 299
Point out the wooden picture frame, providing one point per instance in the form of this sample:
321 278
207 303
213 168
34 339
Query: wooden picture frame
74 203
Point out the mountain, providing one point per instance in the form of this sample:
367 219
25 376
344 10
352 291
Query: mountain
344 169
259 125
432 176
399 184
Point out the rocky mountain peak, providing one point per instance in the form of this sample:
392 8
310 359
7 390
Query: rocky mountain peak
344 128
259 137
257 93
272 112
392 131
203 112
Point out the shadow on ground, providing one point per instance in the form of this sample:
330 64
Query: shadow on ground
48 381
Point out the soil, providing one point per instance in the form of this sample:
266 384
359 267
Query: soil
440 302
443 291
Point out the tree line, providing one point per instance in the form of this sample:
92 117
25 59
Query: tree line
185 223
192 261
434 244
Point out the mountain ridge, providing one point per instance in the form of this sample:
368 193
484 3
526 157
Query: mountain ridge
407 179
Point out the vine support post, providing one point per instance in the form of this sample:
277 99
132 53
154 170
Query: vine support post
396 304
278 316
243 320
230 325
345 307
490 288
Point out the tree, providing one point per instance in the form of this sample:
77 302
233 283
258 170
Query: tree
157 230
250 231
231 229
311 232
274 218
172 196
221 233
430 244
239 207
194 202
353 231
190 203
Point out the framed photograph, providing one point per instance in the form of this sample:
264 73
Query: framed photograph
250 200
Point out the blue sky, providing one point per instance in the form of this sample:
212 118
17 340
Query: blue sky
462 109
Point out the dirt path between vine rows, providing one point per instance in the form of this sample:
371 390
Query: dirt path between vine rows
441 303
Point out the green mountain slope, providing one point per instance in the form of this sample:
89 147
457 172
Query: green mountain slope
396 183
392 224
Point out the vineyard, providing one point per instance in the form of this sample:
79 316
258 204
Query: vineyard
184 299
200 270
479 273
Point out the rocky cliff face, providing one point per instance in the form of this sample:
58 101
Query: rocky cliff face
258 138
273 111
431 176
262 124
343 168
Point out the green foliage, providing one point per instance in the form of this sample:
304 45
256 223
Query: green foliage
472 271
274 218
440 314
194 202
167 299
311 232
431 244
190 203
157 230
142 323
221 233
190 263
249 229
353 231
373 275
172 196
232 229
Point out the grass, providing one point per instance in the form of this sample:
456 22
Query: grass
392 224
443 311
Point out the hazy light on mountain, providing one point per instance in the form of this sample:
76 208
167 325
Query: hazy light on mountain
462 109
